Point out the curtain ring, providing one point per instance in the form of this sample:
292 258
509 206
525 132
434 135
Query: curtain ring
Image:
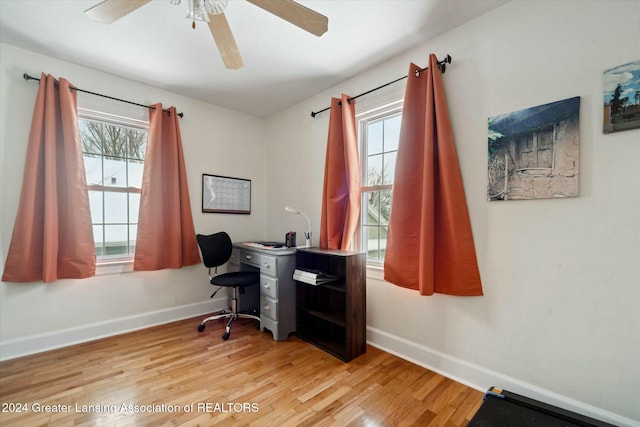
417 72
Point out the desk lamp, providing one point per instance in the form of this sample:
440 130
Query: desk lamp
307 234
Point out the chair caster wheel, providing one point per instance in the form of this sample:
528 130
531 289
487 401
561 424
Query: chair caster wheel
225 336
200 328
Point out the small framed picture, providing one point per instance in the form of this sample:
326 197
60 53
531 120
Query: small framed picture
621 98
223 194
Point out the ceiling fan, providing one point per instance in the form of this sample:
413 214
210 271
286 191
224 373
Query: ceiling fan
212 12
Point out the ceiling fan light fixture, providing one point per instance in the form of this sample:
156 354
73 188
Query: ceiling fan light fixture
215 7
196 11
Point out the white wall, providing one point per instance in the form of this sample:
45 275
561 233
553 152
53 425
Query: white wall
560 319
34 316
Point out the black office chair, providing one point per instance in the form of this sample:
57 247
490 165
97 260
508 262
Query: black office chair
216 250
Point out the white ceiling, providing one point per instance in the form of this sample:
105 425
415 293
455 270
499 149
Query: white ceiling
283 64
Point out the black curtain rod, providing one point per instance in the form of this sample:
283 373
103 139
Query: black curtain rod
441 64
28 77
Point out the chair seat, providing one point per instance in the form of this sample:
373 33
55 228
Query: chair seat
237 278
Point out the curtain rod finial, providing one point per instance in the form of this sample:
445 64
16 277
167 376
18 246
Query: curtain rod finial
443 64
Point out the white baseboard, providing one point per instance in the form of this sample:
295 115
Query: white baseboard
481 378
32 344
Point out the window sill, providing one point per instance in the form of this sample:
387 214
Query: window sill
375 271
115 266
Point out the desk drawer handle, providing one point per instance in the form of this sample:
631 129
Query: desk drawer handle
267 308
267 286
247 256
265 265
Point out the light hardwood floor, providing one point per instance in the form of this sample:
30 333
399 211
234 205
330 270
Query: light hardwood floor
177 376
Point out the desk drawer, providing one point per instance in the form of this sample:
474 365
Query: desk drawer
249 257
268 307
268 265
269 286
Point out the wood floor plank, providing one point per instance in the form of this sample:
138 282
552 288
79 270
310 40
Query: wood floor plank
174 375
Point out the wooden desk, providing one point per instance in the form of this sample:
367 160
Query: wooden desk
277 294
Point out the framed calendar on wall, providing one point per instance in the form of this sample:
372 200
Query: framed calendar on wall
223 194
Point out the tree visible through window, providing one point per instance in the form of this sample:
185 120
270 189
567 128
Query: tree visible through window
379 135
113 159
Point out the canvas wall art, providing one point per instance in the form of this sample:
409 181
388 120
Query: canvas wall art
621 98
534 153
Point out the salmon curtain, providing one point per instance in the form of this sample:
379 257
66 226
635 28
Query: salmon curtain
52 236
166 235
430 243
341 191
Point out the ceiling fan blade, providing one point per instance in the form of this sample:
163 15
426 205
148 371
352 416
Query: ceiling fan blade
225 41
109 11
296 14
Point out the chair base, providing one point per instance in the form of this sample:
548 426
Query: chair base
231 315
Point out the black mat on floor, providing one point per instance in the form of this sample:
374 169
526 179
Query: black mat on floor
502 408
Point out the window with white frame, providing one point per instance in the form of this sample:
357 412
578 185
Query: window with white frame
379 133
113 149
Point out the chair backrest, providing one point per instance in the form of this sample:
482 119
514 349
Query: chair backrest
215 248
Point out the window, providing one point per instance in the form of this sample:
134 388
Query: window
113 150
379 133
535 148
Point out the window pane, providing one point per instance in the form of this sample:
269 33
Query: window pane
385 207
98 239
383 242
374 170
134 207
137 142
115 141
116 240
370 201
374 138
133 235
392 133
389 167
115 207
93 169
115 172
135 173
371 242
95 205
91 136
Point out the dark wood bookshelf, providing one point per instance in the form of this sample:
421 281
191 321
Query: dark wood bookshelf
332 316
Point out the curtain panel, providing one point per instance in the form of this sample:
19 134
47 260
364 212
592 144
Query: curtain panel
166 235
52 237
341 189
430 243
